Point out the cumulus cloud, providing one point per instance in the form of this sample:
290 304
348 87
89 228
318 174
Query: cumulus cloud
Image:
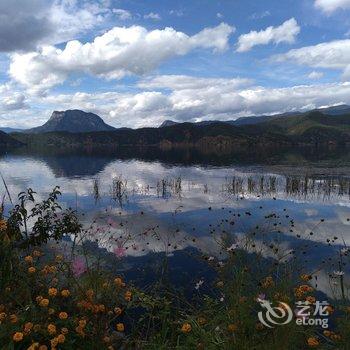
330 6
26 24
196 99
122 14
285 33
331 55
119 52
11 100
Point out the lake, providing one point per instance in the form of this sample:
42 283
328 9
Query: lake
139 210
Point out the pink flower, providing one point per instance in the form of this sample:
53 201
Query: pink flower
112 223
79 266
119 251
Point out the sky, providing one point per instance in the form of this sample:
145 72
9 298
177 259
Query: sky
137 63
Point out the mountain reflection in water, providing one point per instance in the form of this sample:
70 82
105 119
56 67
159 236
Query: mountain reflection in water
161 203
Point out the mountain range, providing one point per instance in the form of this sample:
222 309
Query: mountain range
76 129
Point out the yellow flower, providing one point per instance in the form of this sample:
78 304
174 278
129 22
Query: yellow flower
186 328
2 316
118 281
64 330
51 328
54 343
327 333
32 270
59 258
52 292
201 321
3 225
44 302
232 328
28 259
17 337
118 311
61 338
65 293
120 327
305 277
267 282
63 315
127 295
313 342
311 300
82 323
13 318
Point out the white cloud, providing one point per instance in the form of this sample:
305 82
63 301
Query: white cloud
260 15
194 99
330 6
152 15
123 15
120 51
285 33
331 55
11 100
315 75
26 24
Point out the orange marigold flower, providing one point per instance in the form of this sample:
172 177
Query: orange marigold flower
32 270
28 327
127 295
13 318
313 342
267 282
44 302
327 333
28 259
82 323
63 315
52 292
120 327
3 225
2 316
118 311
61 338
54 343
65 293
311 300
186 328
118 281
51 328
17 337
232 328
64 330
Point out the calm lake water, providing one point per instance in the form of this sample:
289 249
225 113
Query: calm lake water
139 210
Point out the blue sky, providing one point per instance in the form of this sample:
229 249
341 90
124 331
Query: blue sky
137 63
